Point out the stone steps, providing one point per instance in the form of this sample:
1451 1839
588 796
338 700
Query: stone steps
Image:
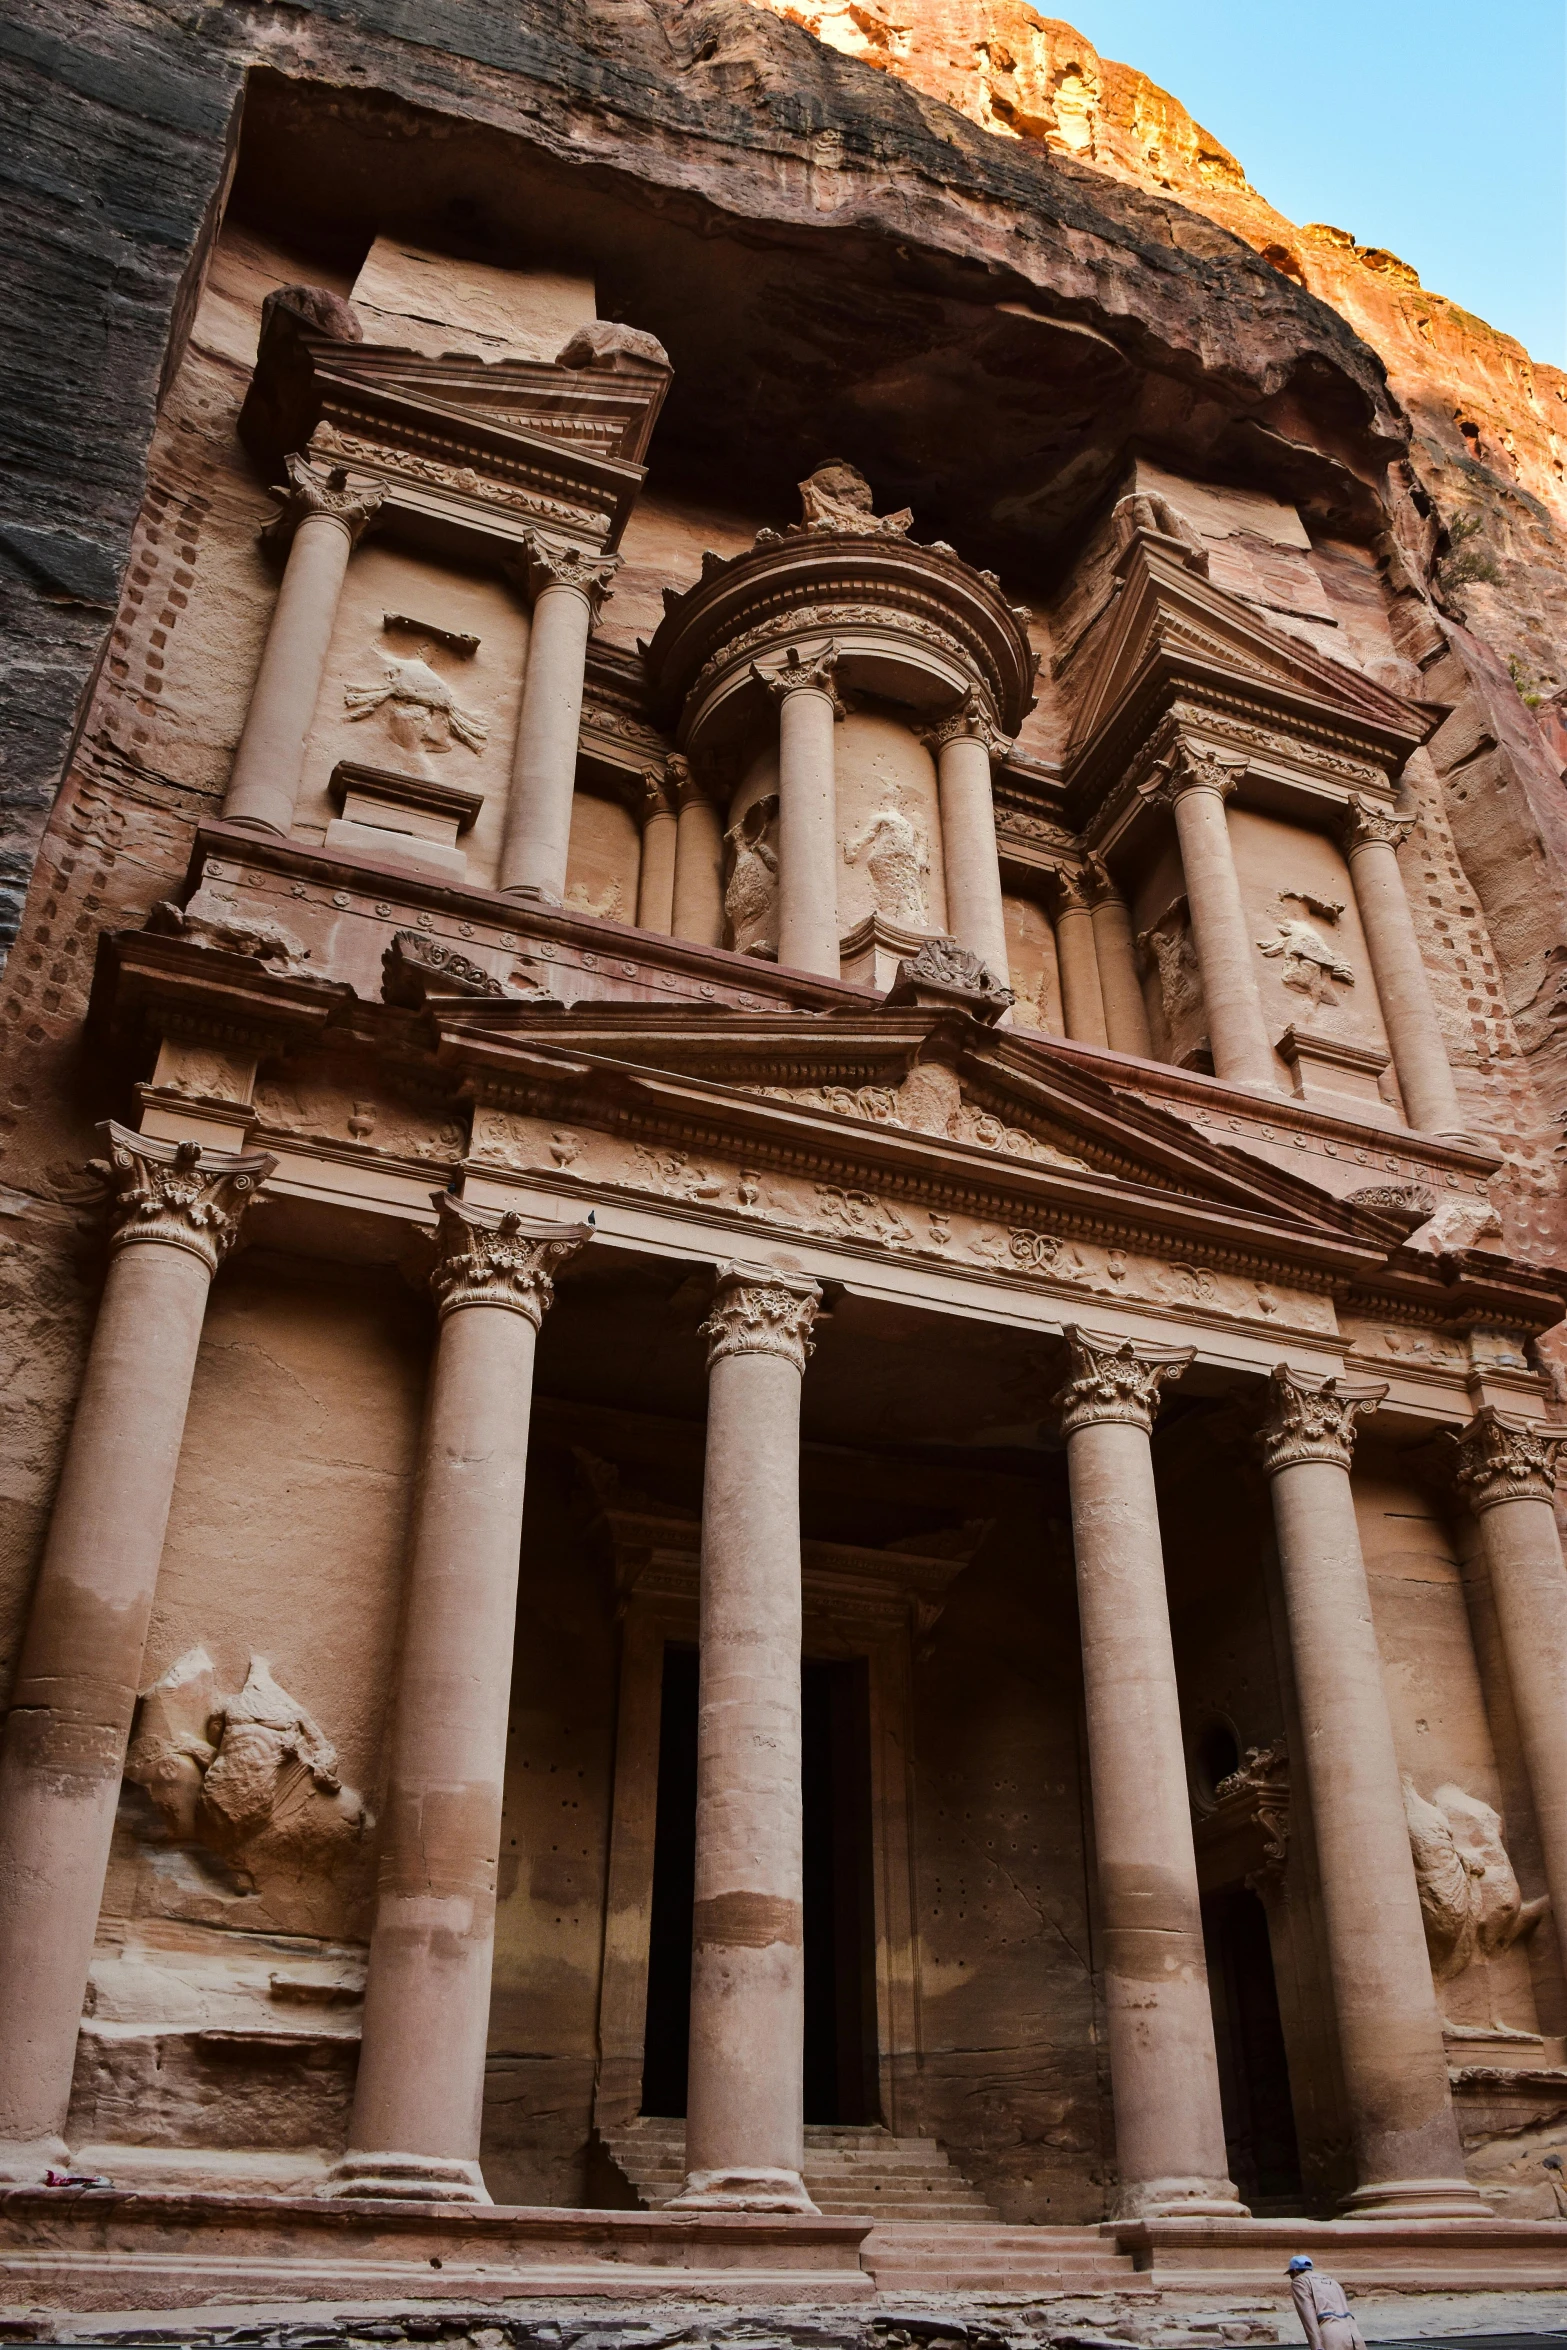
975 2258
855 2173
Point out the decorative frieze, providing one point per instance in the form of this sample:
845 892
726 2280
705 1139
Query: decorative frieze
1506 1460
758 1309
178 1193
491 1258
1115 1379
1312 1420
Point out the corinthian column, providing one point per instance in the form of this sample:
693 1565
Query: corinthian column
175 1211
1196 784
321 523
1507 1473
656 881
1125 1013
965 744
1082 998
1408 2159
745 2130
568 588
808 709
418 2101
699 860
1164 2074
1425 1079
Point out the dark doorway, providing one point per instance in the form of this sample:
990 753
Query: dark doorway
840 1985
1254 2087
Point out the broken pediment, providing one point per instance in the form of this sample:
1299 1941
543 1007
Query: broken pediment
1170 636
555 444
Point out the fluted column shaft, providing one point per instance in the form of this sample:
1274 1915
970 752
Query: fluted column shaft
568 588
656 880
1125 1013
745 2142
1082 998
1164 2074
1507 1473
1197 785
1425 1076
699 862
175 1210
1408 2159
965 745
419 2096
808 709
321 521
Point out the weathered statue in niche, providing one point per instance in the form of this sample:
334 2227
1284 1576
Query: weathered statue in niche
897 859
1171 949
751 898
1470 1899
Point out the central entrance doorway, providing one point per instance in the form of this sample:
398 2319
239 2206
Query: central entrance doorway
840 1930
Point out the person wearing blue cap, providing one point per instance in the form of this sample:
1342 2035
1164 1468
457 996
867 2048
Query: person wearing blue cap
1322 2308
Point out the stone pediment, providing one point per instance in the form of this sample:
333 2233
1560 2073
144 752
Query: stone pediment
1171 636
544 445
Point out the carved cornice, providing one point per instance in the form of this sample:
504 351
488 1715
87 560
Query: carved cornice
487 1257
803 671
1369 824
1113 1379
758 1310
1312 1420
178 1193
1506 1460
317 493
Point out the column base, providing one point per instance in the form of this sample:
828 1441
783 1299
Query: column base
735 2189
1180 2199
26 2162
532 893
1417 2199
261 824
405 2178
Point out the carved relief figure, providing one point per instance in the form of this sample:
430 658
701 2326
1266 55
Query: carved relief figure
897 857
751 899
1310 964
1171 948
420 709
1470 1898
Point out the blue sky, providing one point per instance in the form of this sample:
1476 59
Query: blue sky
1438 130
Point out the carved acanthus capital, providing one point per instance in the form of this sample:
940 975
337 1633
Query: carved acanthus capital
543 567
179 1193
1101 883
1506 1460
800 672
325 493
1115 1379
1312 1419
1192 768
658 793
760 1310
1069 892
490 1257
1369 825
973 721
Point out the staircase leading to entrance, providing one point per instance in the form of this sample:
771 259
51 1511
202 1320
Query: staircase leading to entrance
856 2173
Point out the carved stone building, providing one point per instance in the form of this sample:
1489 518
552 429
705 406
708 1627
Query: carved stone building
784 1480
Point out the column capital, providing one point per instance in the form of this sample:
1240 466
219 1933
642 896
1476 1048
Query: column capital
541 566
179 1193
659 793
325 493
1115 1379
1192 768
495 1257
687 785
1101 886
1313 1419
760 1310
1506 1460
972 721
1367 825
1069 890
800 673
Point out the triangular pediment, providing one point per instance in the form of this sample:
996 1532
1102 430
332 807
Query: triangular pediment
1170 629
895 1090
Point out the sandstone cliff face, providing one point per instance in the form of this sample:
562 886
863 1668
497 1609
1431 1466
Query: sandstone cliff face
1490 439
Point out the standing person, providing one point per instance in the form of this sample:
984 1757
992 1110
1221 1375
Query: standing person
1322 2308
